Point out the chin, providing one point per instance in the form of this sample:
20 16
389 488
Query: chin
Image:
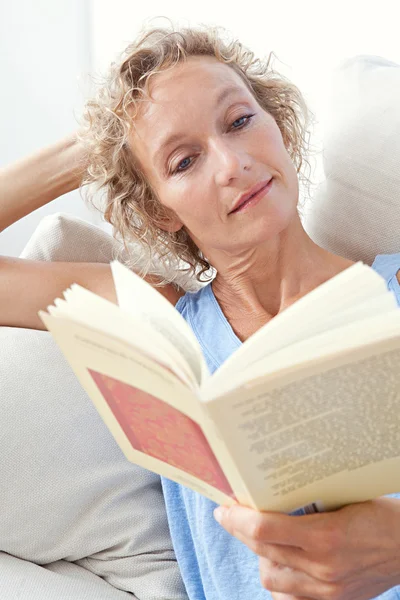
277 219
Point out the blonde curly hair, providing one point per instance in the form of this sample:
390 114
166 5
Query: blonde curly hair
131 205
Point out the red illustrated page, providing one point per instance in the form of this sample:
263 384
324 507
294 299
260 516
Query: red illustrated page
159 430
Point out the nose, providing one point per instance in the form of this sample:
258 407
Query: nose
229 161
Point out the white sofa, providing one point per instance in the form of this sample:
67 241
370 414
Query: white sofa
77 520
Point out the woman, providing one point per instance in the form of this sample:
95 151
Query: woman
200 148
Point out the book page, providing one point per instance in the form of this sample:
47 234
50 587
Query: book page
155 419
138 298
328 433
322 347
98 313
330 305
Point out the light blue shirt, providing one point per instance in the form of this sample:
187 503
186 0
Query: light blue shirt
215 565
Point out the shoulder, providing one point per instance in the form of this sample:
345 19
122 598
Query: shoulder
171 292
387 265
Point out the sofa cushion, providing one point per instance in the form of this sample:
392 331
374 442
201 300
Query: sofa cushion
61 580
67 491
63 237
355 211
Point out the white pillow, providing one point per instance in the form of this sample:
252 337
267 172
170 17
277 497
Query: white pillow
67 491
356 211
62 237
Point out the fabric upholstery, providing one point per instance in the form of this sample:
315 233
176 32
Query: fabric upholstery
355 211
68 494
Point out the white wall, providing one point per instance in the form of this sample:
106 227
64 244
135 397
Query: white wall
310 37
44 61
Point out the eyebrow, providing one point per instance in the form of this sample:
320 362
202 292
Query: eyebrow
176 137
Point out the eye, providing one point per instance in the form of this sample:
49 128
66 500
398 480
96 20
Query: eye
245 118
186 165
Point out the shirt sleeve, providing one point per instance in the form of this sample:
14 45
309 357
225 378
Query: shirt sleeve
388 266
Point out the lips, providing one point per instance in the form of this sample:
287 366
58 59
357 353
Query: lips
248 195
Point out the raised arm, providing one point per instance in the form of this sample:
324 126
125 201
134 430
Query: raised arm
38 179
28 286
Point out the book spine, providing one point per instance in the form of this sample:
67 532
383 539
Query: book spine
224 457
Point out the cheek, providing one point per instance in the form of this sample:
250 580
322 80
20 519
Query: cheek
292 175
194 210
284 163
184 202
269 145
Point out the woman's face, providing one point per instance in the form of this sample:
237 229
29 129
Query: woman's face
202 142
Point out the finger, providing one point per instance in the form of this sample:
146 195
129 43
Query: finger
284 580
288 556
270 527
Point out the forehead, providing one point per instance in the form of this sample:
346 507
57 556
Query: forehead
202 70
178 94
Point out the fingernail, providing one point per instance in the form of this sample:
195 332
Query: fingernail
218 514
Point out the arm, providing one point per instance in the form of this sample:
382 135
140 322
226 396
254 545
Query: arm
28 286
37 180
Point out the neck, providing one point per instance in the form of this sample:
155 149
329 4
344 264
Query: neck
256 284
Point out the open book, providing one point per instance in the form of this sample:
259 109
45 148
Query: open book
305 413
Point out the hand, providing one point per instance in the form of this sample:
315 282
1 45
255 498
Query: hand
349 554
